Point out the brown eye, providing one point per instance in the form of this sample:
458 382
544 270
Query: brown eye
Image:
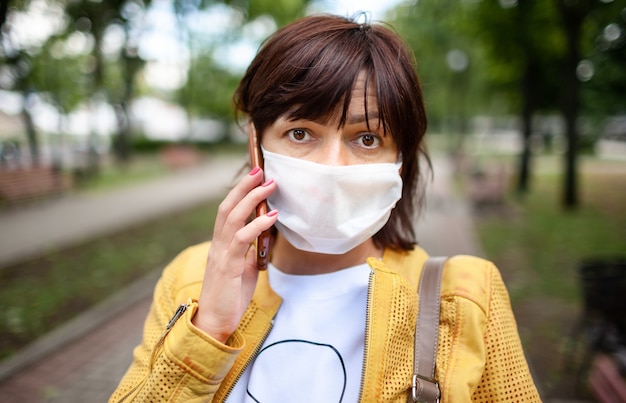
298 134
368 140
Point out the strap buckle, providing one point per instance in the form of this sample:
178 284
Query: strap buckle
425 390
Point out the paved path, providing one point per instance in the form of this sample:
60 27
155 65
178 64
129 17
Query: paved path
445 226
75 218
84 360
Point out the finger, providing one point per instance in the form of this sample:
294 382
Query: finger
247 234
228 256
245 185
239 215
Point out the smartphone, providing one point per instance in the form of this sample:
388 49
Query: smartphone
263 241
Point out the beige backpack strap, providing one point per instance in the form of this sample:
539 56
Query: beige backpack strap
425 388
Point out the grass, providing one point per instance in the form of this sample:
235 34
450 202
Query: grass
539 247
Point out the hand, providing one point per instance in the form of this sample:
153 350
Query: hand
231 272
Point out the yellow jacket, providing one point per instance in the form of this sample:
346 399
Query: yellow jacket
479 359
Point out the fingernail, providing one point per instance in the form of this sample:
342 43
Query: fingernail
268 182
254 170
272 213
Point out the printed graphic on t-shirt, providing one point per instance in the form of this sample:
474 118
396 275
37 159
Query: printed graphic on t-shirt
298 379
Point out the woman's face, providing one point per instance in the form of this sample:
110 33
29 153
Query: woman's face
329 144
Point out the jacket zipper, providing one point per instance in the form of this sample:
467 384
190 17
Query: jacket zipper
179 312
250 359
370 294
130 392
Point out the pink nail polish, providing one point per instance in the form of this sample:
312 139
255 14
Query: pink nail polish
268 182
272 213
254 171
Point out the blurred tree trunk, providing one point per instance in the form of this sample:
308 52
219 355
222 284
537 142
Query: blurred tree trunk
31 131
528 108
572 14
4 9
98 27
121 141
19 65
519 41
530 78
132 65
101 15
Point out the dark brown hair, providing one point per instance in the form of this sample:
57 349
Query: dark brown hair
308 70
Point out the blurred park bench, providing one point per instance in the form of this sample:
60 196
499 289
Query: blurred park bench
28 183
488 186
606 380
179 156
603 325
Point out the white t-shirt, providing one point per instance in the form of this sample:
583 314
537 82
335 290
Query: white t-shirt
314 352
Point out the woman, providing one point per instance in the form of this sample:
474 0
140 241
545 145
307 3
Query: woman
339 113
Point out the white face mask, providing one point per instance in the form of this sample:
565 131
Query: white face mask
327 208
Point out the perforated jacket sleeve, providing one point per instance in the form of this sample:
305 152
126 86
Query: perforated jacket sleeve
506 376
480 357
184 365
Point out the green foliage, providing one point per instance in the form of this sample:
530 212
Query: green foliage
143 144
67 77
58 76
502 43
209 88
432 28
521 40
604 94
529 62
282 11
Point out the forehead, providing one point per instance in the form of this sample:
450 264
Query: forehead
363 105
363 94
357 105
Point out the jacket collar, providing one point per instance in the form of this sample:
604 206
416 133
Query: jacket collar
408 264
